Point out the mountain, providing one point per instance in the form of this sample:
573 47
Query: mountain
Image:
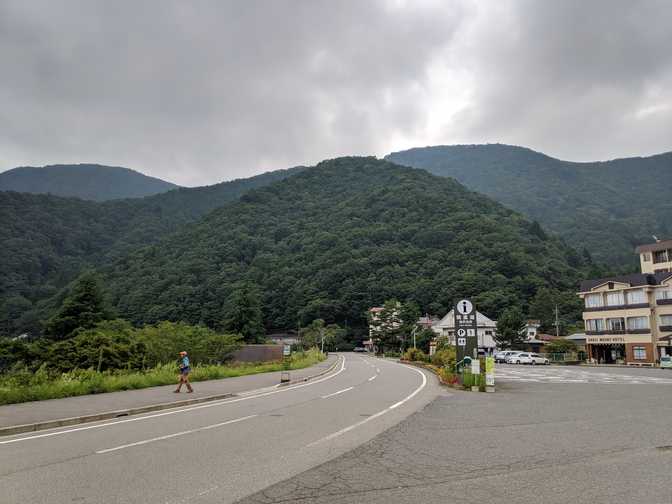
86 181
48 240
333 240
607 207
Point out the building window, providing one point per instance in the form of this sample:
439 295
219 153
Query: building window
659 256
638 322
646 257
595 325
488 333
663 294
636 297
615 298
639 352
666 320
616 324
594 300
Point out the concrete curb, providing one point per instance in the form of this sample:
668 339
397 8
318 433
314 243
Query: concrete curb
64 422
312 377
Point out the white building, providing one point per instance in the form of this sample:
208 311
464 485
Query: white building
532 329
485 330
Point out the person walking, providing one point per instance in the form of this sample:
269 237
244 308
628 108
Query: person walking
184 373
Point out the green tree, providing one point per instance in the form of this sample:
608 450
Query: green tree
510 328
244 314
317 331
83 308
386 326
408 315
542 307
423 337
560 345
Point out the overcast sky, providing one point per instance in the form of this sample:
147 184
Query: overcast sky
200 92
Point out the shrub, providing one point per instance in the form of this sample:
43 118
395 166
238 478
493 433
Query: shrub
560 346
445 357
415 354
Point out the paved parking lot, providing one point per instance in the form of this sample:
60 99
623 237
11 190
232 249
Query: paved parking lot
573 435
574 374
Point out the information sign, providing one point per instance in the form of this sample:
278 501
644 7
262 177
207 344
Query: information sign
465 329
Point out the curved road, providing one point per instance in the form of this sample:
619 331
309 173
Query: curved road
214 452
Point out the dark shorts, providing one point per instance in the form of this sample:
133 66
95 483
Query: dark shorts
185 371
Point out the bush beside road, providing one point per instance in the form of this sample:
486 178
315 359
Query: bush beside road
28 386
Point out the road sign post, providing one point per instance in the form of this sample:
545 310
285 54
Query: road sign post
466 341
489 374
286 364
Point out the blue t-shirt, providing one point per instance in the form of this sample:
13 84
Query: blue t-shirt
185 362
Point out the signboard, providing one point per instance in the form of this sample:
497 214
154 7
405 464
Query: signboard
465 329
286 350
475 367
489 371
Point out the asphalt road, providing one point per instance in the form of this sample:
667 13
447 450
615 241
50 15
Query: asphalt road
558 435
215 452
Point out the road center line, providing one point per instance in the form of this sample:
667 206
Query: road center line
169 436
373 377
375 415
176 411
336 393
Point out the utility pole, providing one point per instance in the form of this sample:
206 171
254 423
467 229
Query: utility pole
557 322
322 337
415 328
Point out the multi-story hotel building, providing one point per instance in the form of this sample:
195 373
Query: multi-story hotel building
656 257
629 318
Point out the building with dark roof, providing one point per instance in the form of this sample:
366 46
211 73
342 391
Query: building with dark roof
628 318
656 257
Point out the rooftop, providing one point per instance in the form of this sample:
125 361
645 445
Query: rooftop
633 280
652 247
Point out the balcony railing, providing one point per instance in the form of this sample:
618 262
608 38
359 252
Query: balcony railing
663 301
665 328
618 332
617 307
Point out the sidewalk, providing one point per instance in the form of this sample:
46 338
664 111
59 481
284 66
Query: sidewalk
71 410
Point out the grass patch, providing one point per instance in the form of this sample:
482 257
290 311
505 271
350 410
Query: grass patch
23 385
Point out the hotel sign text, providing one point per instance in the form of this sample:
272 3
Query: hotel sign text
605 339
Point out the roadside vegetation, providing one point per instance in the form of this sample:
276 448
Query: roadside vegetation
22 385
86 351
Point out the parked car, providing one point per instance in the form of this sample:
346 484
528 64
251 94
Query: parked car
359 349
666 361
527 358
504 355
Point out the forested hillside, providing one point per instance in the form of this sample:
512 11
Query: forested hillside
338 238
48 240
608 207
86 181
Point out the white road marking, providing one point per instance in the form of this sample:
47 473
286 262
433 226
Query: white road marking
375 415
377 370
336 393
373 377
169 436
176 411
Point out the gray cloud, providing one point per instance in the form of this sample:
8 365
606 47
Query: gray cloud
206 91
